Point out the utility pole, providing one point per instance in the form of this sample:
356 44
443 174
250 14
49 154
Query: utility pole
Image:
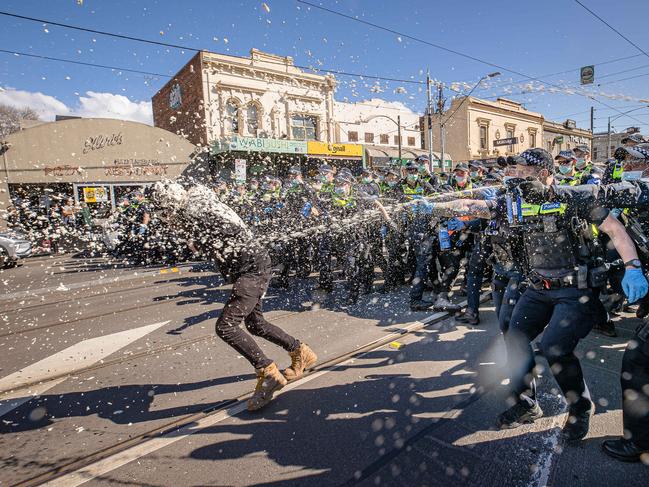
608 142
429 116
440 111
399 129
592 124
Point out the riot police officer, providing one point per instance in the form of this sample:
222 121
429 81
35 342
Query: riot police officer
561 269
568 173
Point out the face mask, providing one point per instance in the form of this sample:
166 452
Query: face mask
392 184
565 169
581 163
367 180
254 188
340 191
631 175
323 179
295 183
474 174
412 177
460 179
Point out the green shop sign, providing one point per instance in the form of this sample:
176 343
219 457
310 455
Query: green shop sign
253 144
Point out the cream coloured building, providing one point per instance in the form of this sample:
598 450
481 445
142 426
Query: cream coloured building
477 129
215 96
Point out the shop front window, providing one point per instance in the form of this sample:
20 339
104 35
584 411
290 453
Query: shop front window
303 127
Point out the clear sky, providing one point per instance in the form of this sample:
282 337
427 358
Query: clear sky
536 39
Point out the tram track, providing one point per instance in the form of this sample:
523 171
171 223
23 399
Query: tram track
72 472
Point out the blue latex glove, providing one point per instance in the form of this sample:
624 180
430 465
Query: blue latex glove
455 225
634 284
268 209
142 229
489 193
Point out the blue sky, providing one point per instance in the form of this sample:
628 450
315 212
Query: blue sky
533 38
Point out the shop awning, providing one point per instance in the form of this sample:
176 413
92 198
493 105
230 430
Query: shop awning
380 155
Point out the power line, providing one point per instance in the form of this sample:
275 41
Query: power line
452 51
115 68
613 28
193 49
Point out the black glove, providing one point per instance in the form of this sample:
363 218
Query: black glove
533 191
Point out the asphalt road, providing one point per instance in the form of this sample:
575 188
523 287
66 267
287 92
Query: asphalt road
100 354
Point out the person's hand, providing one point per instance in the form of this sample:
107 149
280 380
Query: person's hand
489 193
455 225
634 284
533 191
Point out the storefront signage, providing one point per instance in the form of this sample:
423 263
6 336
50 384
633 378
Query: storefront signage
60 171
507 141
136 167
579 140
97 194
255 144
175 97
339 150
240 170
100 141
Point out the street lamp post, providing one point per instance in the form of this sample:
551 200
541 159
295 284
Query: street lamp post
399 134
608 143
442 124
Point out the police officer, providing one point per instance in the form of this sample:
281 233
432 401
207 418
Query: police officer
393 233
634 195
558 264
476 172
568 173
583 164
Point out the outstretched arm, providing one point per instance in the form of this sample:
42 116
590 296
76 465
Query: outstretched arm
461 207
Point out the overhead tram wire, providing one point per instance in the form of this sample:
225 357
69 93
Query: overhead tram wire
82 63
453 51
612 28
194 49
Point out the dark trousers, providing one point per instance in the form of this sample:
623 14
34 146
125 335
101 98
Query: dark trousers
565 316
635 388
422 247
349 253
505 293
475 273
395 265
244 304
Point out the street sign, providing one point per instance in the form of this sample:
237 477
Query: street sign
587 75
508 141
95 195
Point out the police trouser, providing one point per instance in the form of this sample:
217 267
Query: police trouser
244 304
505 292
421 244
295 255
564 316
345 250
396 250
635 387
475 273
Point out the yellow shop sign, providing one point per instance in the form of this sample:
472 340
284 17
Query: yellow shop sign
339 150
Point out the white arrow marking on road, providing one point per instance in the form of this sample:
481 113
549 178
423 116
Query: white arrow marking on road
74 358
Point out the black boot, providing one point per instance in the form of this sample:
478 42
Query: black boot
519 414
469 318
576 427
623 450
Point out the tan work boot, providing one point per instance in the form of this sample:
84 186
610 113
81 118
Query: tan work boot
301 359
269 380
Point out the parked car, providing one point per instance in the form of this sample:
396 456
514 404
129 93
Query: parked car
13 247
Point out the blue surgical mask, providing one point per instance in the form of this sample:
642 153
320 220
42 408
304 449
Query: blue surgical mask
581 163
475 174
631 175
367 180
340 191
412 177
392 184
565 169
460 179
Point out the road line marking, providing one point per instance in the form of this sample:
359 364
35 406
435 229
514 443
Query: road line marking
67 361
101 467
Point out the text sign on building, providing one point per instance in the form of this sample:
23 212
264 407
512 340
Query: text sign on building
240 170
340 150
254 144
175 96
95 194
507 141
587 75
